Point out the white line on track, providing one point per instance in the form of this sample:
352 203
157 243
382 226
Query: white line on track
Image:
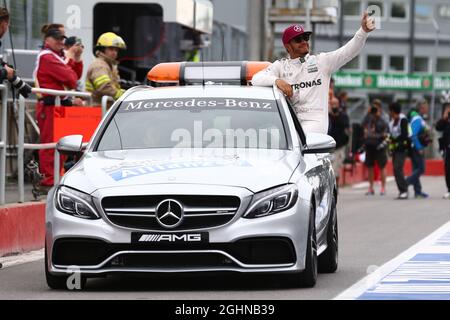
372 279
365 184
28 257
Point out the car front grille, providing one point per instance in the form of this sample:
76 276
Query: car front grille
250 251
139 212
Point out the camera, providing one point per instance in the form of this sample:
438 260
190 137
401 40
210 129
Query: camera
374 110
21 86
385 143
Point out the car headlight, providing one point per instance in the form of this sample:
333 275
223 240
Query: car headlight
272 201
75 203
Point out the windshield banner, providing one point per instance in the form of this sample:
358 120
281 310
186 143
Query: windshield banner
198 104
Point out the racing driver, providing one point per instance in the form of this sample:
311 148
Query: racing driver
305 78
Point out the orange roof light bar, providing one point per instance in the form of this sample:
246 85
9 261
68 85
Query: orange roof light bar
165 72
185 73
253 67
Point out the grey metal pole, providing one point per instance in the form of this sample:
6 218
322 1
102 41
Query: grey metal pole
308 15
255 29
3 137
341 23
29 23
433 92
412 42
20 149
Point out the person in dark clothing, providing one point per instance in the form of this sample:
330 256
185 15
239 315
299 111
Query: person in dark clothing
339 124
443 125
375 134
399 146
343 100
420 140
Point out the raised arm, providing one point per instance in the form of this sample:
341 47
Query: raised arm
334 60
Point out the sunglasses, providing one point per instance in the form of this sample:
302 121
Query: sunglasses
301 38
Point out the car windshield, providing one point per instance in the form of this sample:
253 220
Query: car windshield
195 123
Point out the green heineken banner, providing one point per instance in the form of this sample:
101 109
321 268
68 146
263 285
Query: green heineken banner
362 80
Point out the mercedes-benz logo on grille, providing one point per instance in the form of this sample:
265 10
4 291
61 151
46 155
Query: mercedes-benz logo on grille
169 213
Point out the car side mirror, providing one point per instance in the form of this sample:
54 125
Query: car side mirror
70 144
319 143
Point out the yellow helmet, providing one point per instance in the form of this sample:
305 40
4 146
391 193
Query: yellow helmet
110 39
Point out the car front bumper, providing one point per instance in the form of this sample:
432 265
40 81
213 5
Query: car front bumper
238 246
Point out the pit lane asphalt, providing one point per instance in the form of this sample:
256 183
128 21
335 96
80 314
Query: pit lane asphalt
372 231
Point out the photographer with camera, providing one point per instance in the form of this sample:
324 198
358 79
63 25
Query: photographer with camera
399 146
443 125
339 125
375 134
6 71
53 71
73 50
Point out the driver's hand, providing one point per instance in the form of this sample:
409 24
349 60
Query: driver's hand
367 23
285 87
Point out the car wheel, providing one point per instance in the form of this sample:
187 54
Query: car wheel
59 282
328 260
308 277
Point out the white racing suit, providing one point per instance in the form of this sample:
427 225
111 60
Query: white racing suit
310 80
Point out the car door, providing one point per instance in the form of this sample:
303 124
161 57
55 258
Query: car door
319 174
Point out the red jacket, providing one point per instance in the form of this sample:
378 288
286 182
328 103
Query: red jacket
54 72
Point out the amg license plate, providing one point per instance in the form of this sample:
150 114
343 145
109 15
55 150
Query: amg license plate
166 238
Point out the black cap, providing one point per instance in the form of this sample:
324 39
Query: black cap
55 33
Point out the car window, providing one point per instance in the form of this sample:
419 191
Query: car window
298 126
195 123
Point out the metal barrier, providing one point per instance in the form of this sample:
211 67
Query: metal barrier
3 144
58 94
22 146
105 100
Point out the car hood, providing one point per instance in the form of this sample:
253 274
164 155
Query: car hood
255 170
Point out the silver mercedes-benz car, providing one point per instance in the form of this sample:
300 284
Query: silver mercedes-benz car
210 176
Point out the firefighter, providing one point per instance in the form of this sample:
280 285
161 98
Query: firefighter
53 71
103 74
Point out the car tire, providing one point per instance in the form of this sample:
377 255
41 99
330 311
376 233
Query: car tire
328 260
308 277
59 282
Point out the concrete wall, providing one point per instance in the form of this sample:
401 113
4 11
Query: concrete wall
22 228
